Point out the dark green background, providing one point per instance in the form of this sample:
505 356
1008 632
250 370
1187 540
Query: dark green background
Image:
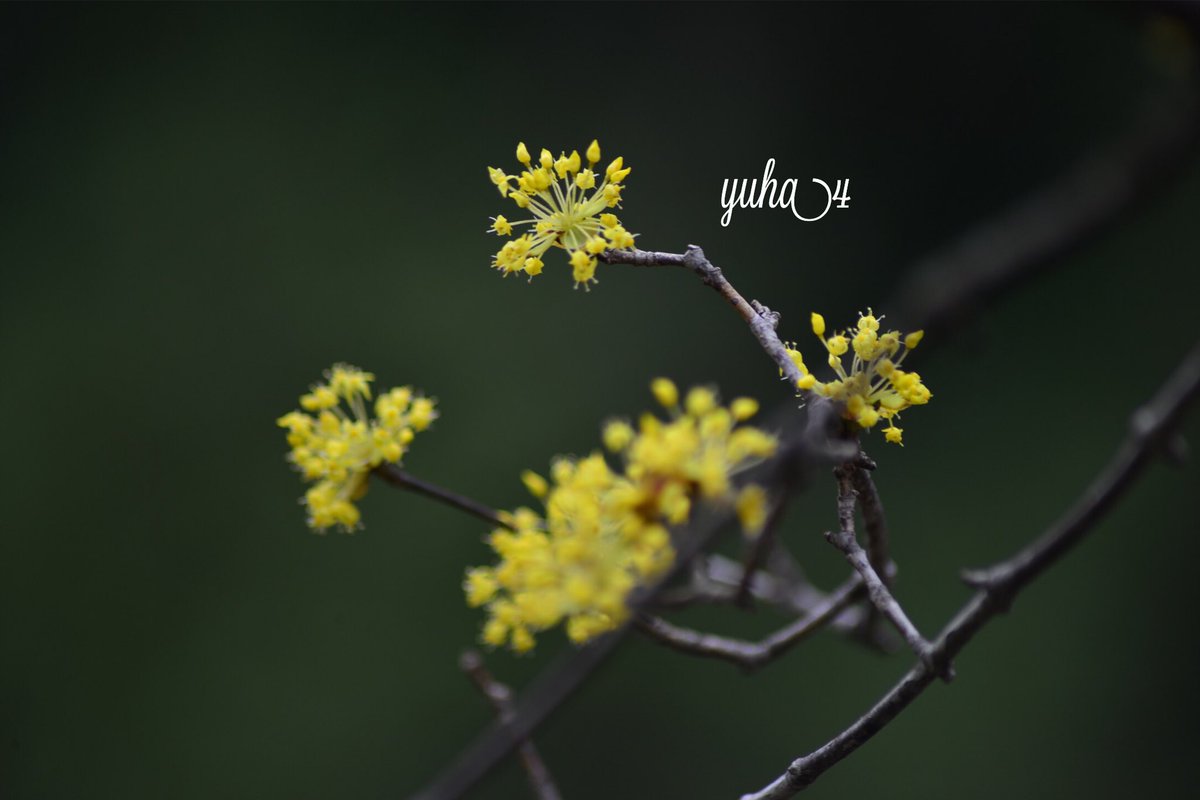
202 207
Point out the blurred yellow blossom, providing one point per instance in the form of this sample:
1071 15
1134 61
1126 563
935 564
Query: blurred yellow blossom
339 441
752 509
605 531
567 204
874 388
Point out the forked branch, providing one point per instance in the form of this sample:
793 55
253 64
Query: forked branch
845 540
997 587
752 655
500 698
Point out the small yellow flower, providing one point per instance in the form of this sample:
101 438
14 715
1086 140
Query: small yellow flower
583 267
535 483
752 509
874 387
700 401
744 408
617 435
501 226
570 206
480 586
339 447
836 345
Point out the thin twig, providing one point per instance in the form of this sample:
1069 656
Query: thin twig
844 539
767 541
762 320
875 532
751 655
500 696
1150 429
394 476
715 580
875 528
761 547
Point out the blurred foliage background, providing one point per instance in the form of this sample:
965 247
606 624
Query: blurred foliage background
204 206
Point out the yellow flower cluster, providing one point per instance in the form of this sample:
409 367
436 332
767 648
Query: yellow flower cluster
337 450
604 532
874 388
568 203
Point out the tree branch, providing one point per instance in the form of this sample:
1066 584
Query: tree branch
394 476
762 545
500 696
715 579
876 535
751 655
874 523
844 539
998 586
762 320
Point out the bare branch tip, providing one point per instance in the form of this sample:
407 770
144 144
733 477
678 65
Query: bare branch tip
865 462
976 579
470 660
837 539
